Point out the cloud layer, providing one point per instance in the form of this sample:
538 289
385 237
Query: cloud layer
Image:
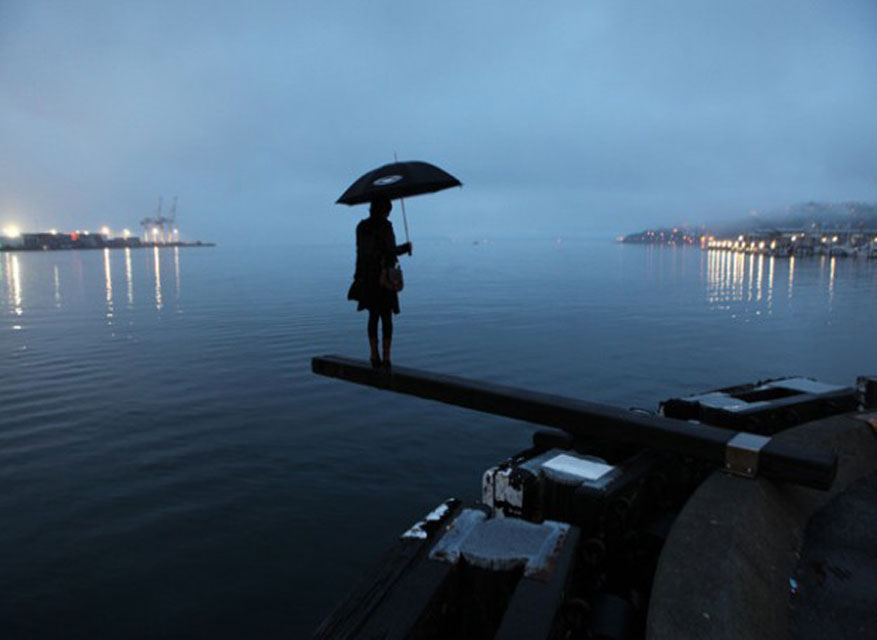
565 118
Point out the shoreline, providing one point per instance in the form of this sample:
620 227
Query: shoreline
140 245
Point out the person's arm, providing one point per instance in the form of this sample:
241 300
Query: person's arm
390 247
398 250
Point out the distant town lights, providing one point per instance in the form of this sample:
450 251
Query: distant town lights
126 233
54 232
11 231
105 231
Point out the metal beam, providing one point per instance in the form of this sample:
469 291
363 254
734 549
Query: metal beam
776 460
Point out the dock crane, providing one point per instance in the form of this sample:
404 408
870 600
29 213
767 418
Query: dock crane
173 234
146 223
154 227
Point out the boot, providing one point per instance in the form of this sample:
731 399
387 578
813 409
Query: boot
387 344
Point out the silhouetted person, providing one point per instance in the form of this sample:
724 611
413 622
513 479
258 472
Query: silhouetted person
376 250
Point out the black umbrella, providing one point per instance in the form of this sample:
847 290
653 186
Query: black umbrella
398 180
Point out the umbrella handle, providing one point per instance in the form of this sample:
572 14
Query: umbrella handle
402 200
404 219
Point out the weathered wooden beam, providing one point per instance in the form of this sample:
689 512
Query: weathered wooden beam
776 460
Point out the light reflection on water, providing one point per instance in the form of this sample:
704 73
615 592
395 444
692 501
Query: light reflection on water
13 283
177 271
57 282
831 272
129 277
157 271
734 277
22 278
108 278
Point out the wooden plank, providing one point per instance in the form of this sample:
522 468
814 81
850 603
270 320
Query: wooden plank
778 461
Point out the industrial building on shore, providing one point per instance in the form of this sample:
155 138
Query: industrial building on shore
55 241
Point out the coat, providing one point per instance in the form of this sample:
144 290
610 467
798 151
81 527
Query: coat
375 249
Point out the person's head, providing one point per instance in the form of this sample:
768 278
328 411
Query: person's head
380 208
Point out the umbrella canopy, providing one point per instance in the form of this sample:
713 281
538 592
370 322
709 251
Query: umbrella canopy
398 180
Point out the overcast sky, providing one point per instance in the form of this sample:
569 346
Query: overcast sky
560 118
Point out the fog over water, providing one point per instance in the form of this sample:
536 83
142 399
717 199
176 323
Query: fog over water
598 117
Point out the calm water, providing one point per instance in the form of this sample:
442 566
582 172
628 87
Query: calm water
170 466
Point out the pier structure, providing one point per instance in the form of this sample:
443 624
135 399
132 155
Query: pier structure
612 525
581 419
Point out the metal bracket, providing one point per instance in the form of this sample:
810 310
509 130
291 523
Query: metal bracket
741 454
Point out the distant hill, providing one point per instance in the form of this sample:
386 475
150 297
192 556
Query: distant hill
809 215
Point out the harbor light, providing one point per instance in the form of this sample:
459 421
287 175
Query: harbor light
126 233
154 231
761 245
105 231
794 238
11 231
740 238
54 232
773 244
824 239
834 239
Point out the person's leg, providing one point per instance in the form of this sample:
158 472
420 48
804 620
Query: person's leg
372 331
387 333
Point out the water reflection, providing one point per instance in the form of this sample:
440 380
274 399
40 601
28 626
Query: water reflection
96 279
750 284
129 279
57 275
751 276
739 274
831 271
760 277
732 278
177 270
13 283
108 283
159 304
